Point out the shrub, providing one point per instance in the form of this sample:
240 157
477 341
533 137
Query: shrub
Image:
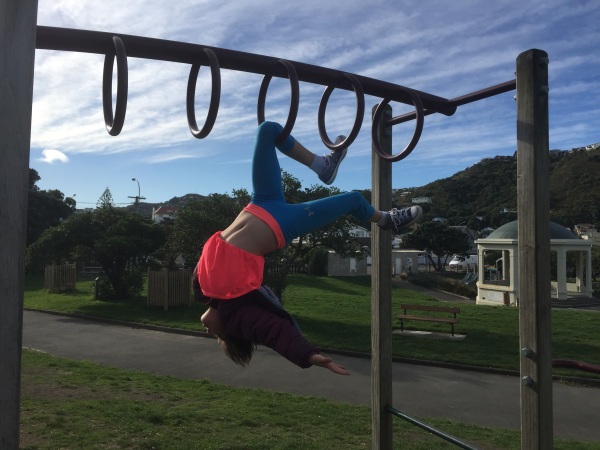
134 282
316 262
423 279
103 289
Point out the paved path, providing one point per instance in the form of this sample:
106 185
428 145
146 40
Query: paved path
465 396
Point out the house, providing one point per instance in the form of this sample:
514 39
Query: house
421 200
357 231
587 231
164 212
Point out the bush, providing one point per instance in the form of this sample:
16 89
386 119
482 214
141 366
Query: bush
133 280
425 280
103 289
316 262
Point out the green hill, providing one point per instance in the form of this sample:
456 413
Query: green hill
485 194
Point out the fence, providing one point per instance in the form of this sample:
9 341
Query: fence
167 288
275 267
60 277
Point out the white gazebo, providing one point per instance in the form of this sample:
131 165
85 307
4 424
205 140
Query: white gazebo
498 285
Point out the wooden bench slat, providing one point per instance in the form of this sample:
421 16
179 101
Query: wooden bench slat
429 318
431 308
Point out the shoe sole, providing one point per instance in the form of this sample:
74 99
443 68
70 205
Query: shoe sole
415 219
334 174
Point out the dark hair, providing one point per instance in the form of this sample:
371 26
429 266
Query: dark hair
239 350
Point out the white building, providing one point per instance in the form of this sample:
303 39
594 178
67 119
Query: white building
503 287
421 200
164 212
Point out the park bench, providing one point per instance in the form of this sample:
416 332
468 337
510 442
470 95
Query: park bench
429 317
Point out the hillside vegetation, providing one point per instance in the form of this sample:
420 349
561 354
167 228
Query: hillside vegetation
485 194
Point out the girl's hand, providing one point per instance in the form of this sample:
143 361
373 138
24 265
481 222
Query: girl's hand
323 361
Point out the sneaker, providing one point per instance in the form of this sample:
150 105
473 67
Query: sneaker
399 218
332 163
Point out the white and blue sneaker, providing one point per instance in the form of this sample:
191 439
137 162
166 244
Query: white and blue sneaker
332 163
399 218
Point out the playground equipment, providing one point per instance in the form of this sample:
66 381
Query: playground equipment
21 36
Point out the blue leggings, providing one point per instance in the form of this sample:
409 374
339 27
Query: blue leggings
302 218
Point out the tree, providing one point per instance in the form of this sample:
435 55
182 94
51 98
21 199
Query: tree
437 239
595 262
45 209
112 236
106 199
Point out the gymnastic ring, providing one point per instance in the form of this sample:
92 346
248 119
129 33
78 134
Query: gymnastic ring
115 125
416 136
294 103
360 114
215 96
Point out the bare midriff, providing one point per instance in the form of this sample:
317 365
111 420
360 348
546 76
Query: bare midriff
251 234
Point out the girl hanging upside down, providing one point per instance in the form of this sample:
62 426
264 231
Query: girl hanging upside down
228 278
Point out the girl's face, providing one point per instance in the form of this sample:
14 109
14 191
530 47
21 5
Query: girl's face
212 323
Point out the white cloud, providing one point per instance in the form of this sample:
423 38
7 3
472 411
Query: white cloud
50 155
446 50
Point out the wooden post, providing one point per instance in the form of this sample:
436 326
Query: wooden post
17 54
381 296
533 207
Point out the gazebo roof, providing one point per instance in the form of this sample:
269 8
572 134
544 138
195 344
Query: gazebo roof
511 231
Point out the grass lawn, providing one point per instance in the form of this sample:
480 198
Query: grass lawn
335 313
79 405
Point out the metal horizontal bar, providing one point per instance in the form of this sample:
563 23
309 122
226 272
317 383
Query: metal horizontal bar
86 41
501 88
429 428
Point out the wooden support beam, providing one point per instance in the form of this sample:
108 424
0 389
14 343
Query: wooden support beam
17 54
533 207
381 296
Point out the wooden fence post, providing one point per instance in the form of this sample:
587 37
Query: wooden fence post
381 296
17 53
533 207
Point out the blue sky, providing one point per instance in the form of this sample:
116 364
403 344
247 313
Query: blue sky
444 48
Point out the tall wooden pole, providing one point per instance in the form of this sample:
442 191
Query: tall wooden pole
17 54
533 207
381 296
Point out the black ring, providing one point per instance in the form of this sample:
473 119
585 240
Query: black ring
416 136
360 114
215 96
115 125
295 101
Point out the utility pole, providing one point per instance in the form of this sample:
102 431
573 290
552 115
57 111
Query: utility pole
138 197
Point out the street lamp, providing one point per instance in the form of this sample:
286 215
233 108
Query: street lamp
138 197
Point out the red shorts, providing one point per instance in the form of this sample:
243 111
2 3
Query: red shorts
227 272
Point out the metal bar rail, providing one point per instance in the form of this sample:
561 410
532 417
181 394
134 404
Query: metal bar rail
122 46
430 429
501 88
52 38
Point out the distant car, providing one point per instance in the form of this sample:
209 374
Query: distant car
461 262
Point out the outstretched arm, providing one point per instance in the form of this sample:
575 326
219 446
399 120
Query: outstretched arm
324 361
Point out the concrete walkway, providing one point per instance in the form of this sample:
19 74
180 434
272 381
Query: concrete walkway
426 392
